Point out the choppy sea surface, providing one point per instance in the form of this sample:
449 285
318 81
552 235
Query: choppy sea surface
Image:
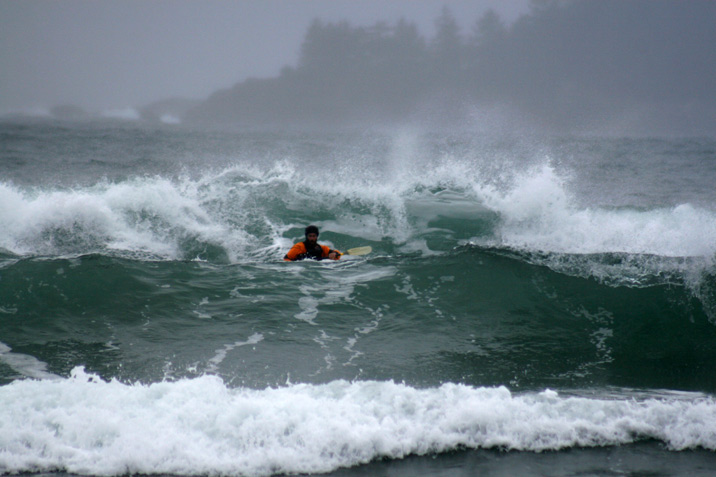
532 306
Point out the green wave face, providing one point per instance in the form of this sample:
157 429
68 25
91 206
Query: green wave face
476 316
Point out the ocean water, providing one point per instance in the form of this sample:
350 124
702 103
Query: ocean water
532 305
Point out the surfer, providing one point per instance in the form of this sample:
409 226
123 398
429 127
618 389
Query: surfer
310 248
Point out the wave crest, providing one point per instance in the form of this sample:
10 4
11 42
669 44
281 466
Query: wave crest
245 210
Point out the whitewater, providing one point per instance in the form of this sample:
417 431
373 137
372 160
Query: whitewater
200 426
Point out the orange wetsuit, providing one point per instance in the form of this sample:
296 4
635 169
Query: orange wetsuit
299 251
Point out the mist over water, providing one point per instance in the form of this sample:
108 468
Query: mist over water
583 67
613 68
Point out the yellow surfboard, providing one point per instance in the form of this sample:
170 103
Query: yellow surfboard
359 251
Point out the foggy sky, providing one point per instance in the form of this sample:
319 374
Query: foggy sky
113 54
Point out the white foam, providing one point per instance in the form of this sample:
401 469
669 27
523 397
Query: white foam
153 216
538 214
221 353
25 364
197 426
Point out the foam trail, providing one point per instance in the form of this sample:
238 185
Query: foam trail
221 353
25 364
199 426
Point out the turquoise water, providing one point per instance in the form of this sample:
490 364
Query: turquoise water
529 304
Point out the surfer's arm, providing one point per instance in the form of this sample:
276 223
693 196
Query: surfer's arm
330 253
295 253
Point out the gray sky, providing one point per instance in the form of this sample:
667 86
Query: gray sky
114 54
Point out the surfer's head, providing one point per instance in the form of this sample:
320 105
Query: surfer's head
311 233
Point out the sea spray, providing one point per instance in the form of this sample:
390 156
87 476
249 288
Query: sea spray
237 212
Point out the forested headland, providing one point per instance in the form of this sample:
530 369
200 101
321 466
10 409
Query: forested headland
568 66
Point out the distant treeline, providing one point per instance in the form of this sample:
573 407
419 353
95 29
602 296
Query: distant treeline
565 65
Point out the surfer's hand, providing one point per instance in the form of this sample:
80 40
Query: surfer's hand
333 255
